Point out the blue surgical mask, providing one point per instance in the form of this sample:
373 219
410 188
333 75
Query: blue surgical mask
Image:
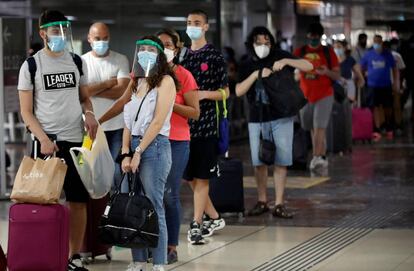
146 59
339 51
376 46
194 32
100 47
56 43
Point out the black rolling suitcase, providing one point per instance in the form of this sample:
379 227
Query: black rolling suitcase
226 190
301 144
339 130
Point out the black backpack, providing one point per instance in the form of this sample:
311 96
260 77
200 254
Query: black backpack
285 96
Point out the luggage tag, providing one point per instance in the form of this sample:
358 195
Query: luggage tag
107 208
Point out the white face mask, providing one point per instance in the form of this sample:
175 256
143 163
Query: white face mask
169 54
261 51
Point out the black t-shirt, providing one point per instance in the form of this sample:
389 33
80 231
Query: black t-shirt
210 72
346 67
255 93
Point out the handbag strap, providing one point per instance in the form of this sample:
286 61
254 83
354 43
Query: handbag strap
260 79
140 106
133 179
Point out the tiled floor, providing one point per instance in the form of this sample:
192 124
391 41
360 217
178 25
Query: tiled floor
376 181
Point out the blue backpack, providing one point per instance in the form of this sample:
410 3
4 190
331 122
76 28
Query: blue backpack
222 126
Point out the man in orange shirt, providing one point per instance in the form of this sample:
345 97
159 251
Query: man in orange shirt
317 87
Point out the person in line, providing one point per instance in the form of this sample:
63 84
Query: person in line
52 107
379 64
108 77
361 47
350 69
400 65
208 67
147 128
264 55
317 87
186 106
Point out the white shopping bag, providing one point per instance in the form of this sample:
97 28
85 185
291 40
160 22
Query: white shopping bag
97 167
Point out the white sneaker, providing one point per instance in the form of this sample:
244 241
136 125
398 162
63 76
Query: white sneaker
318 162
137 266
212 225
324 162
158 268
312 164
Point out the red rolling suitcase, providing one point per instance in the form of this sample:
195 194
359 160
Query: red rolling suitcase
38 237
92 246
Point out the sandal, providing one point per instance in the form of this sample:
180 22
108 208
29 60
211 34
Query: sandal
281 211
258 209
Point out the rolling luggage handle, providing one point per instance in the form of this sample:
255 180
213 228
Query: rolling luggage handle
35 142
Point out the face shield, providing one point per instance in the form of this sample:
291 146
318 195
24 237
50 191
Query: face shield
145 58
58 36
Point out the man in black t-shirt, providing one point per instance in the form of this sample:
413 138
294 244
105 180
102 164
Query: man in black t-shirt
264 122
209 70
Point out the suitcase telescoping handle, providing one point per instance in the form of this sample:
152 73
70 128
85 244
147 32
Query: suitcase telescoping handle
35 142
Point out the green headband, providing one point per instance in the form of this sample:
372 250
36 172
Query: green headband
55 23
151 43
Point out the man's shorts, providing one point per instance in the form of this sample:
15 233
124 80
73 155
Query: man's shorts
282 132
74 189
383 96
316 115
202 163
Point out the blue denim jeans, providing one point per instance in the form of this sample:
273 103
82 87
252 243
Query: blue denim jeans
154 168
114 139
180 150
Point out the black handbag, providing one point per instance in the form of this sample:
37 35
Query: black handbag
130 219
285 96
267 150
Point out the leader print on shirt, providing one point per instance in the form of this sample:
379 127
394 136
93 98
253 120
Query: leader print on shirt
59 81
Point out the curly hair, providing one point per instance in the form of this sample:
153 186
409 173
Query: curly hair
251 38
162 68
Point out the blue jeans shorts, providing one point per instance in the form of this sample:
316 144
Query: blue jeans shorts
282 132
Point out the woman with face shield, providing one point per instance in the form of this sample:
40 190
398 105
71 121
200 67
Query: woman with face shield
263 55
186 106
145 146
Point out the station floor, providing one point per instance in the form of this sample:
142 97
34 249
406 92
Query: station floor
359 216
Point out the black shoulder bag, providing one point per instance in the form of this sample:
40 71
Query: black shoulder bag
130 219
285 96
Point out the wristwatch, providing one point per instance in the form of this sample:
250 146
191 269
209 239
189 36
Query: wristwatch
138 150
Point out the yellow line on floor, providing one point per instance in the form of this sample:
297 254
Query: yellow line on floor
292 182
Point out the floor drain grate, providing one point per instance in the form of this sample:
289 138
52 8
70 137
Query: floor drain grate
320 247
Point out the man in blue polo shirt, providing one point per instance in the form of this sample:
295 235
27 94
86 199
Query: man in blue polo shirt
379 63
